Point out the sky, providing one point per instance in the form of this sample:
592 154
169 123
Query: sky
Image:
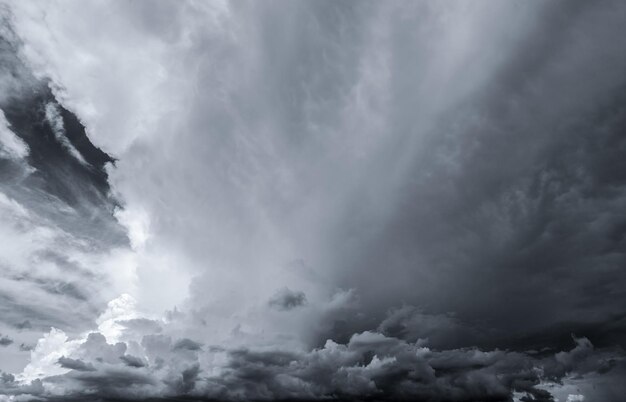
312 200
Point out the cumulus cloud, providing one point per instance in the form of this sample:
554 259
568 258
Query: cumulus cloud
369 365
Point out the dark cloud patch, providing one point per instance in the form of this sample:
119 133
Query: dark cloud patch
378 367
75 364
109 382
187 344
370 366
184 382
23 325
26 348
511 214
10 387
132 361
5 341
287 299
443 330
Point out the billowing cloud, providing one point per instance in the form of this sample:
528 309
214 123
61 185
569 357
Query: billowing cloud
369 365
235 200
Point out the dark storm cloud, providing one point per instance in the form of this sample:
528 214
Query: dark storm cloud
411 324
75 364
374 366
370 365
287 299
9 386
109 382
133 361
512 213
5 340
465 159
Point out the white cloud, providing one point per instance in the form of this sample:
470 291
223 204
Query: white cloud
11 146
55 120
44 357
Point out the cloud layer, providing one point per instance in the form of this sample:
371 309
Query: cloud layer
369 366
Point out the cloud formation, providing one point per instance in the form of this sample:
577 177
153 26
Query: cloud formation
405 200
369 365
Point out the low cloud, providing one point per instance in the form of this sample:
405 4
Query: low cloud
75 364
132 361
286 299
5 341
369 365
187 344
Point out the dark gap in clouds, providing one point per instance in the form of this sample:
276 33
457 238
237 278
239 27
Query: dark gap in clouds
58 172
59 176
63 187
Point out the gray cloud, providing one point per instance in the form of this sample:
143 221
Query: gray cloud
448 177
132 361
369 365
187 344
5 341
75 364
286 299
333 148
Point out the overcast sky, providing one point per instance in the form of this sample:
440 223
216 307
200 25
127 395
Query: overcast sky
263 200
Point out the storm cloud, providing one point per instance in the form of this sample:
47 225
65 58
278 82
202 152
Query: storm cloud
405 200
